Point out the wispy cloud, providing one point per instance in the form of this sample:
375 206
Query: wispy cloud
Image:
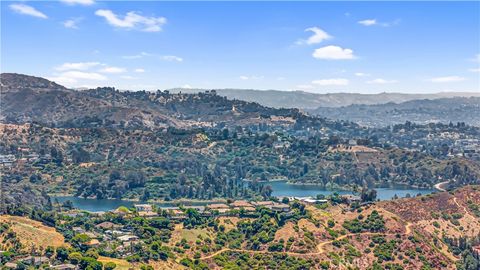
361 74
474 70
139 70
381 81
113 70
318 36
334 81
253 77
77 66
333 53
132 21
368 22
27 10
72 23
170 58
70 78
372 22
78 2
447 79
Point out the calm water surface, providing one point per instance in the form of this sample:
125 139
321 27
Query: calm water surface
280 188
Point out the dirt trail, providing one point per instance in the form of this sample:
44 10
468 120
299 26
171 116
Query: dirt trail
463 207
319 248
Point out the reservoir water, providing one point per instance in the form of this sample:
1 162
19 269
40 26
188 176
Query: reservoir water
280 188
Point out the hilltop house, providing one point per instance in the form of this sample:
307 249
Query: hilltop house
143 207
220 207
280 207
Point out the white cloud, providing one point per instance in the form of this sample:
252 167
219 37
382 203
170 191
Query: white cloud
79 2
171 58
72 23
371 22
474 70
74 74
128 77
136 56
447 79
139 70
133 21
335 81
113 70
187 86
318 36
244 78
361 74
77 66
73 77
27 10
333 53
381 81
368 22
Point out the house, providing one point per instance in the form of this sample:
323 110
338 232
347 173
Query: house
147 214
78 230
263 203
64 267
93 243
310 200
220 207
107 225
143 207
280 207
241 204
10 265
115 232
127 238
34 260
348 198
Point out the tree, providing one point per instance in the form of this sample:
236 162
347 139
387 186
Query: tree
110 266
75 257
368 195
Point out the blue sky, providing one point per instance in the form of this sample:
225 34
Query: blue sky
321 47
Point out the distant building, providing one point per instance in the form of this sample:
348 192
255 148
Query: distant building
220 207
280 207
127 238
263 203
107 225
10 265
34 260
351 198
143 207
64 267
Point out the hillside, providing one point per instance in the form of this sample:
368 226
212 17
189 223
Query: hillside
435 231
444 110
307 100
27 99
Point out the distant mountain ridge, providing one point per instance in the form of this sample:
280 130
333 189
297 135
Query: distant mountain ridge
306 100
445 110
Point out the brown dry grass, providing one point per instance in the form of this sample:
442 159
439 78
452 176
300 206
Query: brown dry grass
31 232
